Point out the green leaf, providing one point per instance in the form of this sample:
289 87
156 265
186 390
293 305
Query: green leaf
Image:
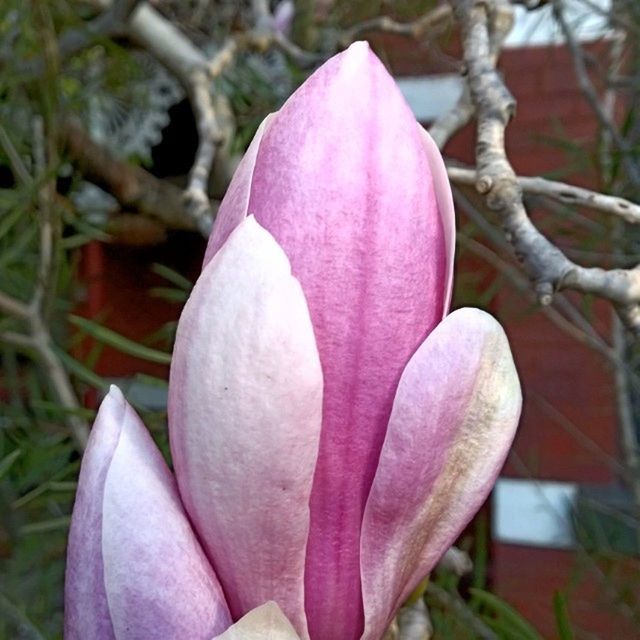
481 548
169 294
19 247
561 612
119 342
172 276
509 622
54 524
152 381
18 621
56 412
8 460
9 220
81 371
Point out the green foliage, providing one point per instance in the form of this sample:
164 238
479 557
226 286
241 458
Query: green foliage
38 470
561 612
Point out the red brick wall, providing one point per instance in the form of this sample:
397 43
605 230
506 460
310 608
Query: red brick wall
568 387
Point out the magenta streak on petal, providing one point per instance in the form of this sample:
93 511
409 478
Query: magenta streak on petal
86 612
453 420
342 181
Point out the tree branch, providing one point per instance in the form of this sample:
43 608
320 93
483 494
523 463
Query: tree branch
434 21
590 93
38 338
414 622
449 123
561 191
107 24
547 266
133 187
46 272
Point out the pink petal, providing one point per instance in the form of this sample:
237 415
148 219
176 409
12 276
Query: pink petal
233 208
445 207
453 420
266 622
245 414
342 181
86 608
158 582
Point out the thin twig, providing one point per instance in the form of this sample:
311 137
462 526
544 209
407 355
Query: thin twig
38 338
13 307
432 22
18 167
565 316
561 191
133 187
590 93
414 622
449 123
45 196
456 561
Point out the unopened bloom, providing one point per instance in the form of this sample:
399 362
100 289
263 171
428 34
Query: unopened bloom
332 428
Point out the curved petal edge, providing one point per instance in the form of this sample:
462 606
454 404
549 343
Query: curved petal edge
158 581
444 196
86 610
454 417
245 411
134 567
266 622
235 204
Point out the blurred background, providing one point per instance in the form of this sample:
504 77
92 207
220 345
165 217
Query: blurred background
102 225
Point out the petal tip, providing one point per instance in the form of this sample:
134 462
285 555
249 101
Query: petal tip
359 55
115 395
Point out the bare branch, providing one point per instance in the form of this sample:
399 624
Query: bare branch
433 21
58 379
107 24
561 191
133 187
521 284
18 340
261 13
590 93
546 265
195 71
569 321
456 561
13 307
45 198
414 622
38 338
448 124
